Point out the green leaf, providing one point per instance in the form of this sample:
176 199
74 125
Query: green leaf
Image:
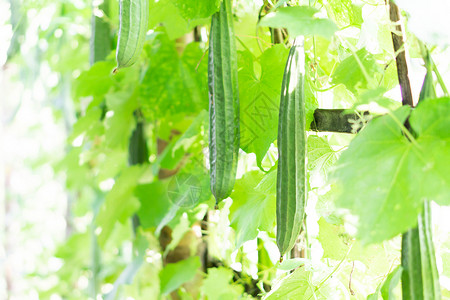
176 274
167 13
340 11
296 286
300 20
373 296
372 172
351 71
253 209
120 204
194 9
326 208
259 96
301 284
120 126
382 173
110 163
173 84
244 27
176 150
217 285
430 119
78 174
336 244
94 82
179 17
264 261
75 253
154 204
88 123
320 158
391 282
311 103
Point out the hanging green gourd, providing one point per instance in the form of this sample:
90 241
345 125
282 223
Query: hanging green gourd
223 103
291 177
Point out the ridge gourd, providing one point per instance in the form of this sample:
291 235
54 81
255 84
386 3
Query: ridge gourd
291 176
224 131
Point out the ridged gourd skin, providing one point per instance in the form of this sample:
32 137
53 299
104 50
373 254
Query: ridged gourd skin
224 132
291 176
132 31
420 277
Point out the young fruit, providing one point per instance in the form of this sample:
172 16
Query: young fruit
291 177
132 30
223 103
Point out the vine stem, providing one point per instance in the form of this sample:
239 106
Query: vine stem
350 280
400 56
439 78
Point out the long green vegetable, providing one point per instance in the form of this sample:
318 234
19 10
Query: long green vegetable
291 178
420 278
132 30
223 103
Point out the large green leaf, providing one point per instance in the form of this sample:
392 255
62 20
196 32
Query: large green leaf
119 126
194 9
352 71
75 253
253 208
88 124
94 82
174 275
180 16
173 84
320 158
259 96
155 205
217 285
306 283
384 177
300 20
342 12
177 149
337 244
